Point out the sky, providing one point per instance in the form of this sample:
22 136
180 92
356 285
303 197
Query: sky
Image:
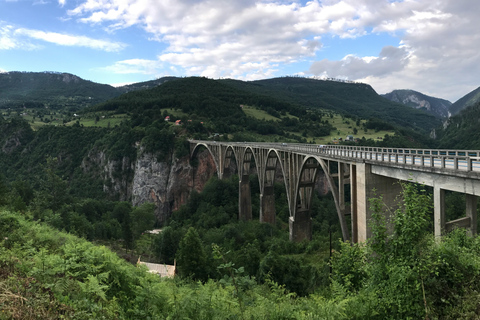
431 46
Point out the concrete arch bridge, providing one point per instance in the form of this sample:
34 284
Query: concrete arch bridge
362 168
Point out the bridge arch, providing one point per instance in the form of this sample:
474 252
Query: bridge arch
229 155
300 215
215 157
269 167
246 156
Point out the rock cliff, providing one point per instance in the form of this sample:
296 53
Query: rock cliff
167 184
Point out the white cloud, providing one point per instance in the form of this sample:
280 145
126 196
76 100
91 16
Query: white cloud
71 40
9 41
138 66
250 39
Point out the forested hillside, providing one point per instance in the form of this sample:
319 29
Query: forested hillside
355 99
461 131
51 90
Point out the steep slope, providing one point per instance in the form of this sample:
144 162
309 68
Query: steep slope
468 100
417 100
461 131
356 99
51 89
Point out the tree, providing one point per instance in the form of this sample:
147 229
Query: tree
191 256
143 219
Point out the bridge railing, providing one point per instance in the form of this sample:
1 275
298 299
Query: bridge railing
460 160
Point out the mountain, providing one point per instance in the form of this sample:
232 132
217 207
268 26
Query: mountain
290 94
354 99
435 106
468 100
51 89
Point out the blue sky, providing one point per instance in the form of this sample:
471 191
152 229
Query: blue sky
428 46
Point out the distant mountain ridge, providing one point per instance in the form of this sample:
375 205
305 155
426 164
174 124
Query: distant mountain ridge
435 106
51 88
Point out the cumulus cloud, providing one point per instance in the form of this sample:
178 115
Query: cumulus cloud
250 39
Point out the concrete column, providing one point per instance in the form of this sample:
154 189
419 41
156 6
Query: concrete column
244 199
471 202
267 205
353 201
438 211
301 226
341 187
366 183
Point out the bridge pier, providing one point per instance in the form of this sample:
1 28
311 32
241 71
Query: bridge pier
267 205
438 211
369 186
471 207
300 226
244 198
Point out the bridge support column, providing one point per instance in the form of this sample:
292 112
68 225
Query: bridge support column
369 185
353 202
267 205
472 213
300 226
244 199
438 211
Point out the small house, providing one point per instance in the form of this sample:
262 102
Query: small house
167 118
178 122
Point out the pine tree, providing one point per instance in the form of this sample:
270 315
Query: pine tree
191 256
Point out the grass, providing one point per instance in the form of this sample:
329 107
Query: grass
258 114
345 127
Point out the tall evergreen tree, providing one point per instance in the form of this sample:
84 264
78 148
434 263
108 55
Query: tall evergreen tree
191 256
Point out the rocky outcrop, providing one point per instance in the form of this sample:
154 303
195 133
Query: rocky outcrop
435 106
169 184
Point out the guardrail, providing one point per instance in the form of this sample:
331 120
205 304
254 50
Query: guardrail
460 160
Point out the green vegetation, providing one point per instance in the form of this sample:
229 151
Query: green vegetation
461 131
50 274
65 173
352 99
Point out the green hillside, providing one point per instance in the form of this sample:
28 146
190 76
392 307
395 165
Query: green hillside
461 131
353 99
